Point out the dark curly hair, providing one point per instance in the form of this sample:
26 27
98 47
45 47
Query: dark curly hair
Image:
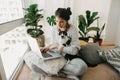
63 13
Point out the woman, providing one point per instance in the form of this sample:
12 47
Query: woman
62 16
75 66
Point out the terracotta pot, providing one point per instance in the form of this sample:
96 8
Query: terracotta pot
99 41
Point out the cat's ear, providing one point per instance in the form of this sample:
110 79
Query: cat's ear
60 32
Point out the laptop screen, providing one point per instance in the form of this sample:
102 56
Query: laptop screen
34 45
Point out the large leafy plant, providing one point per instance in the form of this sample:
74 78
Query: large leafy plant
51 20
32 17
84 23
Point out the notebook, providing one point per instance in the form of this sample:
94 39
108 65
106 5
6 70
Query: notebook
36 49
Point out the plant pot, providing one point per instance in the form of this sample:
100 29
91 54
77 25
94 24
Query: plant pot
84 39
98 41
41 40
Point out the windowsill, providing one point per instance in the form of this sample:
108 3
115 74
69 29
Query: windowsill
12 49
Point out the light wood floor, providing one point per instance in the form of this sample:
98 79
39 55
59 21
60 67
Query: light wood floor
24 73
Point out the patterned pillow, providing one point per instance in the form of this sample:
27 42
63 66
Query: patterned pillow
112 56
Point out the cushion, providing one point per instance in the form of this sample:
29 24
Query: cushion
89 54
112 56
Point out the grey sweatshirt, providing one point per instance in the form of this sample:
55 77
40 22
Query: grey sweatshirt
75 43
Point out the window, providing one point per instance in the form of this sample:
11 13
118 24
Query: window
12 49
10 10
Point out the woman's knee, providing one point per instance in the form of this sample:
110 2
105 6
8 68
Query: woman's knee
76 66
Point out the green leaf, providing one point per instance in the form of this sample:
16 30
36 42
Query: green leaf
35 32
92 29
32 17
51 20
88 14
33 7
94 14
103 27
82 20
82 24
81 33
96 18
81 27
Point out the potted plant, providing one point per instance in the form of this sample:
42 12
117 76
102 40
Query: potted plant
51 20
32 18
84 24
97 37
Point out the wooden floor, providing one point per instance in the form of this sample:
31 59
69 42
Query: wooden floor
25 71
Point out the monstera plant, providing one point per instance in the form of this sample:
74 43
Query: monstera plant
51 20
84 24
32 18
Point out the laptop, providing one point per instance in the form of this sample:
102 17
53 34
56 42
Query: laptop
52 54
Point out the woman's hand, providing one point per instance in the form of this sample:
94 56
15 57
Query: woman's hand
44 49
50 47
61 49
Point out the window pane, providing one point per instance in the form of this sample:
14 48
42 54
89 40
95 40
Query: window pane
10 10
12 49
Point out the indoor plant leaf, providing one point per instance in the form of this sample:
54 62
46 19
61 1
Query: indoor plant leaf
32 17
51 20
92 29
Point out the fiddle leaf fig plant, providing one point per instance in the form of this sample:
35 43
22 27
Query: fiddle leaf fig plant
51 20
32 17
84 23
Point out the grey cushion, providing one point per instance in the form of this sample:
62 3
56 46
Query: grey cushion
89 54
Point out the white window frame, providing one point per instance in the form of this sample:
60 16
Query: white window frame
6 73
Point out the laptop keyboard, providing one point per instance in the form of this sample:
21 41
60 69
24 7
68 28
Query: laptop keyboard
45 55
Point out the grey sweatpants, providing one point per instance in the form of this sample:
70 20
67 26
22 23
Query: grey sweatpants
76 67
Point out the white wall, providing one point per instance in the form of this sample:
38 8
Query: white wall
78 7
102 6
112 29
118 32
108 12
49 9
